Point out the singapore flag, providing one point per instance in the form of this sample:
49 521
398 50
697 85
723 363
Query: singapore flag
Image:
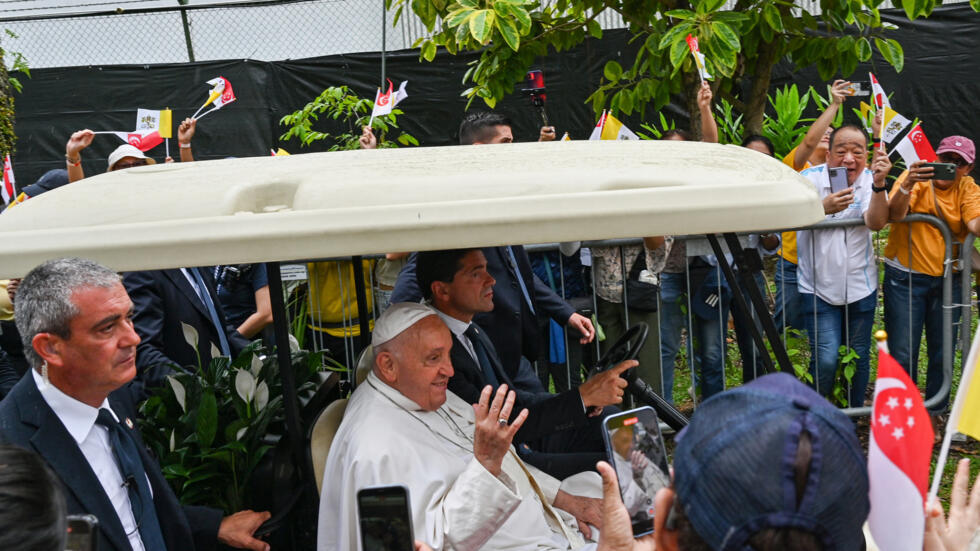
898 459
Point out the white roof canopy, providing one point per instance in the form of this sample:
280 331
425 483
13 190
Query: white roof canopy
322 205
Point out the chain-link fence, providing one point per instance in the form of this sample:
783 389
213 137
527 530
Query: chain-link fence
56 33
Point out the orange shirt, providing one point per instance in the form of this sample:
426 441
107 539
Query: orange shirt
957 205
788 248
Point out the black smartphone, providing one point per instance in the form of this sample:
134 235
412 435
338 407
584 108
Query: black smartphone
838 179
81 533
636 450
385 519
941 171
858 88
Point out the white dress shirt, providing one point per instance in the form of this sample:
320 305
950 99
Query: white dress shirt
93 441
458 328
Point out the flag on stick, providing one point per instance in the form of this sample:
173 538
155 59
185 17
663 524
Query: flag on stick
7 191
279 152
692 44
915 146
878 93
159 121
899 452
597 131
221 94
613 129
892 125
385 103
867 116
965 415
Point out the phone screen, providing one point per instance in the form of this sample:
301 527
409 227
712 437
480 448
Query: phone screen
838 179
385 519
858 88
81 533
636 450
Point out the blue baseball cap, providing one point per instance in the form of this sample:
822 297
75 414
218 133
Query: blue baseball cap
734 466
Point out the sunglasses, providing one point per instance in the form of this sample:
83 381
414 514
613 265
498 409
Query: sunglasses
130 164
953 159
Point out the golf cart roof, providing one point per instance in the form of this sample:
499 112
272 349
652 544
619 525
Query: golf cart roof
322 205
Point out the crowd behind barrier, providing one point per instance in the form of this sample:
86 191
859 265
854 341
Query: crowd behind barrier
563 359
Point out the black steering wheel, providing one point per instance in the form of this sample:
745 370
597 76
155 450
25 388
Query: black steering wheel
627 347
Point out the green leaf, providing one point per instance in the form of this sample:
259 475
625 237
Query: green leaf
481 24
509 32
522 17
678 52
472 4
595 30
708 6
681 14
863 49
975 4
773 18
429 50
677 33
845 43
459 17
207 420
625 100
728 36
898 55
613 71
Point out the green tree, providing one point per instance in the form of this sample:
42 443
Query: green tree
351 112
8 85
745 41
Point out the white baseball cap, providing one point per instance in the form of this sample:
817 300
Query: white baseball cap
126 150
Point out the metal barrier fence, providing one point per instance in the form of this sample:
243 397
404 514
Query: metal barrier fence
573 373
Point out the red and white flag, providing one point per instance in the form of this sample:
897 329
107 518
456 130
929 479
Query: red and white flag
144 141
384 103
878 93
899 453
692 44
915 146
7 191
221 94
597 131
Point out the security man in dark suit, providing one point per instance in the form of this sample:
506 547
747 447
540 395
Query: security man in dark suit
164 301
76 407
561 434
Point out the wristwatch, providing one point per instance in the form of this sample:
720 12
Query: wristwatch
877 189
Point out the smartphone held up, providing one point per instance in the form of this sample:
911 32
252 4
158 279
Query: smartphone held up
384 517
637 453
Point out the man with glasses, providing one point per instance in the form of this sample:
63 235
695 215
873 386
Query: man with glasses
914 256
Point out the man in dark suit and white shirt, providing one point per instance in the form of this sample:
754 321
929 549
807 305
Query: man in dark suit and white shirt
564 438
76 407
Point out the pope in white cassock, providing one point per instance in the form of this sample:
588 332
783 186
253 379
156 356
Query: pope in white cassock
467 485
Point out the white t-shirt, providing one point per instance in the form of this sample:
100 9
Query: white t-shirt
839 262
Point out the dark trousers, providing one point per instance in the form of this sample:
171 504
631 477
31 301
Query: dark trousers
567 452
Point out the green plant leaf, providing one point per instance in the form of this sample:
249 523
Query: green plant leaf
459 17
509 33
678 52
207 420
481 24
863 49
681 14
772 17
595 30
708 6
727 35
677 33
898 55
613 71
429 50
975 4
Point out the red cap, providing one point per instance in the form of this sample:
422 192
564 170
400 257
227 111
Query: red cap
959 145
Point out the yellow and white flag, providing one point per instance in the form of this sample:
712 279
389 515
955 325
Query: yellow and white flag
892 125
151 120
613 129
867 116
965 415
566 138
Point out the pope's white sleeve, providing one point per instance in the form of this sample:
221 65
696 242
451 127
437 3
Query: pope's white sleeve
475 507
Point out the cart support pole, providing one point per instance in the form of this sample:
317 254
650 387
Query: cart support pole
297 438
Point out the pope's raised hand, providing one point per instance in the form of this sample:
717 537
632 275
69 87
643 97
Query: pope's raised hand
493 434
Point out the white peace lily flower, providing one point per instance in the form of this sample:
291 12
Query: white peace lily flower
261 396
240 433
190 334
245 385
215 352
256 366
173 441
293 344
179 392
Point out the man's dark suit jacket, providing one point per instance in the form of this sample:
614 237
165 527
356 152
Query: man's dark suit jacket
547 413
162 299
26 420
510 310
